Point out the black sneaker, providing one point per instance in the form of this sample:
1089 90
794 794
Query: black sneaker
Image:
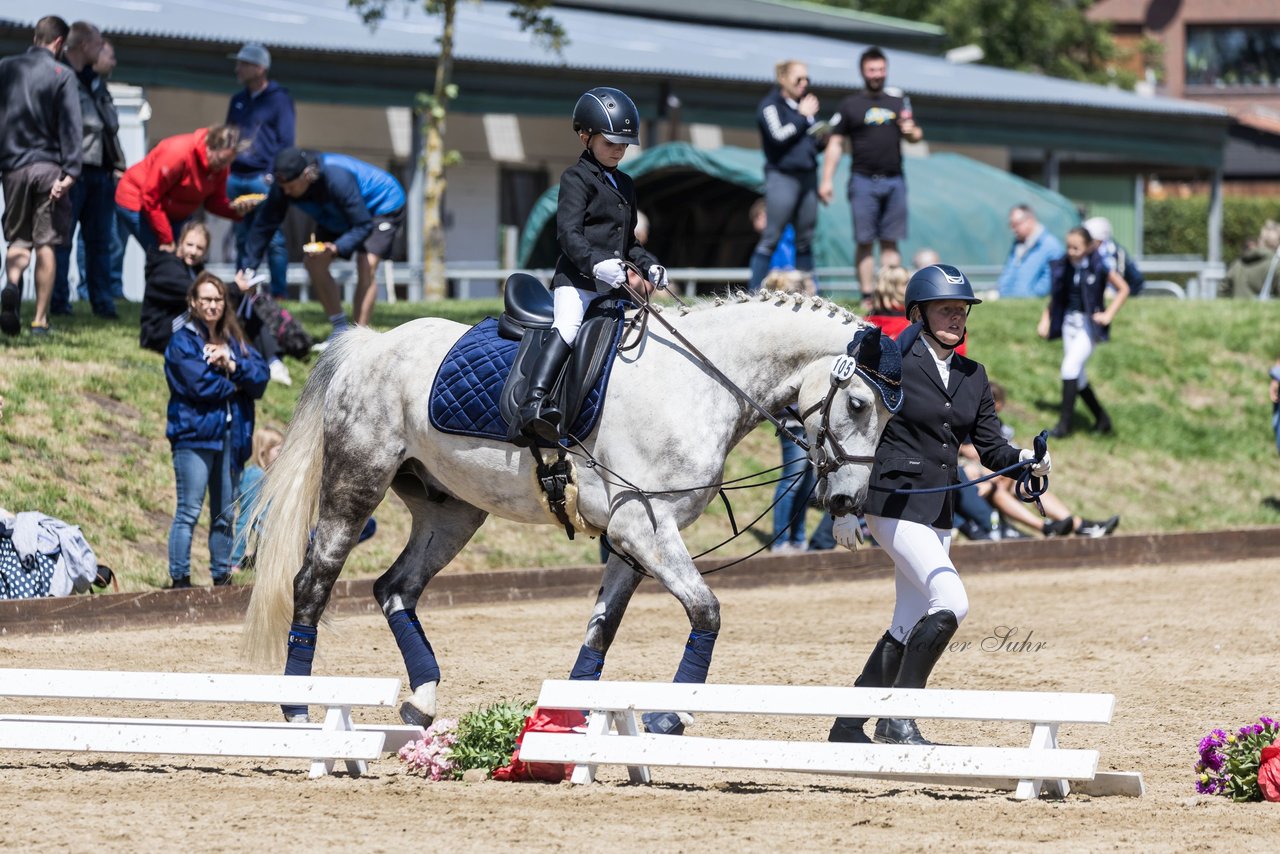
1060 528
1090 528
222 580
10 300
180 583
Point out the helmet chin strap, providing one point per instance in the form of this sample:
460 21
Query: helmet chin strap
944 344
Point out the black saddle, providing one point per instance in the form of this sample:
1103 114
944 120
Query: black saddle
527 317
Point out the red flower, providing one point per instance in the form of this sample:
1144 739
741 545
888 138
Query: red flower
1269 772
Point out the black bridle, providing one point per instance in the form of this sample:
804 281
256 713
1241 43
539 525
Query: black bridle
826 462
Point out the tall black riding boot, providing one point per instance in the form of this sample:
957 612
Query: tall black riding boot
1063 427
879 672
1101 420
924 647
539 417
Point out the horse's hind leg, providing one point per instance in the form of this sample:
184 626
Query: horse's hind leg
619 582
352 487
441 527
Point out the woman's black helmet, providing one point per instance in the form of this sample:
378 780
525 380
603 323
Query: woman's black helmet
609 112
939 282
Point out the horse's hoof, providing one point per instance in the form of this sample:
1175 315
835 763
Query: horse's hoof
663 723
420 709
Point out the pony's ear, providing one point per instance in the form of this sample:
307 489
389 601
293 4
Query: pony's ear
865 346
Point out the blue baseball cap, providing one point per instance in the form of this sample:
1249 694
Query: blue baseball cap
253 53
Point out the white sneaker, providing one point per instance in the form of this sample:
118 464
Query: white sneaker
280 374
320 346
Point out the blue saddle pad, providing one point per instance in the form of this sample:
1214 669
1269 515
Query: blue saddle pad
464 396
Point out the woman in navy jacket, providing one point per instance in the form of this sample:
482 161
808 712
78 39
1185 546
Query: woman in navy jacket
946 401
214 378
1078 314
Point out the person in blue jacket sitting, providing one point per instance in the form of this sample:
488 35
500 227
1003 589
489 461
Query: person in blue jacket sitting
358 210
214 378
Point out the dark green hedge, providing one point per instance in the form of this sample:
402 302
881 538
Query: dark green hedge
1180 226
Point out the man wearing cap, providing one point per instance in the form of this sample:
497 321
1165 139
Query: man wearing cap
358 210
265 114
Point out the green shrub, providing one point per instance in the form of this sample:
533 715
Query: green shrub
1180 226
487 736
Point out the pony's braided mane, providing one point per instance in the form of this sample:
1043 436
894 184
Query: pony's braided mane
779 298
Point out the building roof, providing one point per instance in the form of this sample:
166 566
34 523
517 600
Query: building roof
793 16
606 43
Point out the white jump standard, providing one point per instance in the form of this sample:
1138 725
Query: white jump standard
613 738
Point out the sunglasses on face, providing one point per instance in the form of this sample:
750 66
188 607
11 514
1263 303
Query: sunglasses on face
210 300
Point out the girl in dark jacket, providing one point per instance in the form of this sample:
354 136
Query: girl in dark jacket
1078 313
595 225
214 378
946 400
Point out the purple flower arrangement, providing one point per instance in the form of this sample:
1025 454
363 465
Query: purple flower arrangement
1229 762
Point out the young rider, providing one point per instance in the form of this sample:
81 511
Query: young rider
595 224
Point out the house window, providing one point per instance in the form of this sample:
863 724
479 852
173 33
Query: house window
1231 57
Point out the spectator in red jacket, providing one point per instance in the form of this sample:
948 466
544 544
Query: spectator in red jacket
176 178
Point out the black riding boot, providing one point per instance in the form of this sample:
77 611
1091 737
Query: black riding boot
879 672
1063 427
539 417
924 647
1101 420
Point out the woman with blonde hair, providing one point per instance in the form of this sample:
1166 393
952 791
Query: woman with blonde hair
214 378
266 447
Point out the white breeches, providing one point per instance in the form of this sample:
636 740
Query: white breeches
570 305
925 579
1077 347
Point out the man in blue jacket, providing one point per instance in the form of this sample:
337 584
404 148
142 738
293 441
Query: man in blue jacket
266 117
1026 271
358 210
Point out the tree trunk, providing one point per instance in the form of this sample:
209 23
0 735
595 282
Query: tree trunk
435 287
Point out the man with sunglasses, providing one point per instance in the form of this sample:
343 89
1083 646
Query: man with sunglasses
786 116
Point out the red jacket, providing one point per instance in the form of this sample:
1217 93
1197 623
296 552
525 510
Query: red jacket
893 324
172 182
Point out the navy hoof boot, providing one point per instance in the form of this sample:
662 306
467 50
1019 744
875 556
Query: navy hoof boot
663 723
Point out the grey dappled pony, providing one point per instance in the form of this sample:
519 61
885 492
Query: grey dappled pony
361 428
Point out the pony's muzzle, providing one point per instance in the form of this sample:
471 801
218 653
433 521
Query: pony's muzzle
842 505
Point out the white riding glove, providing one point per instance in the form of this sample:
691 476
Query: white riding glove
610 272
848 531
658 275
1041 468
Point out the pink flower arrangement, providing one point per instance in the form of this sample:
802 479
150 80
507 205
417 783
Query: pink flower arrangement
433 754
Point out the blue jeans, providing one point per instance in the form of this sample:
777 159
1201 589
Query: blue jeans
792 498
119 239
1275 424
196 472
93 203
136 224
277 254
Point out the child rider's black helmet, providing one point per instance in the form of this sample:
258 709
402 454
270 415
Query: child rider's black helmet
609 112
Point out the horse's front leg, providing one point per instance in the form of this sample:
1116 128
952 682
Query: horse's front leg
652 538
619 582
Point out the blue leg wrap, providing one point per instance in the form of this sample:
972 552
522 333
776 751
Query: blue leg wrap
419 657
697 657
302 651
693 668
589 666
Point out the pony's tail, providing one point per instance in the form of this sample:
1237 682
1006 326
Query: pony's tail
287 507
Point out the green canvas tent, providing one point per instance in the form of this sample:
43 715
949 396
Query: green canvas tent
697 201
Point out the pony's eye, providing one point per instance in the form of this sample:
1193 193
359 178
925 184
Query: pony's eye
856 403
